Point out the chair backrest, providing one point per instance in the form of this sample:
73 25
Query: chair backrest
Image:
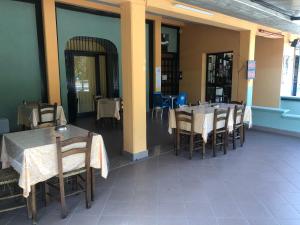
47 110
69 147
236 102
186 118
181 99
238 115
221 116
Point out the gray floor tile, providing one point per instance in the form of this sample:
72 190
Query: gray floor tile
202 221
233 221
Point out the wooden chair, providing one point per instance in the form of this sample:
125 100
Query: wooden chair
9 179
220 116
65 149
47 109
238 125
236 102
188 119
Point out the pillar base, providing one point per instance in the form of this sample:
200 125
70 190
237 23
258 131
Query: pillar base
136 156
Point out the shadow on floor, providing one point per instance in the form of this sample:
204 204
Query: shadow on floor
158 139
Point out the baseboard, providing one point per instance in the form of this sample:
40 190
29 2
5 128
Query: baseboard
277 131
136 156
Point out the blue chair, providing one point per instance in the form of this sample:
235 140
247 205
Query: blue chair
159 104
181 99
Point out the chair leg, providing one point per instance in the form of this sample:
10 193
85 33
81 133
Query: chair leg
244 133
233 139
152 113
47 198
224 143
29 208
88 189
214 139
93 184
161 114
241 136
62 197
191 146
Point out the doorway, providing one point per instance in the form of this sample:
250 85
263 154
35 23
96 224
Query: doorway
92 71
219 77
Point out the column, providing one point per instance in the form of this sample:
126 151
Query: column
247 52
51 51
134 78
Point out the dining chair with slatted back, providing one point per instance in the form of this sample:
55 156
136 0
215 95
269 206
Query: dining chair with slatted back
238 125
47 110
186 119
9 189
220 132
67 148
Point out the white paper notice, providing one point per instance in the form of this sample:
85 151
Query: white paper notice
158 79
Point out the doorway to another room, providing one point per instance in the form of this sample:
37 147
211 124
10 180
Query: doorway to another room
219 77
92 72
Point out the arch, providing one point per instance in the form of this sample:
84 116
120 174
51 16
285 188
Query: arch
91 45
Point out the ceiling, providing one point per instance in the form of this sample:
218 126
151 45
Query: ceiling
274 13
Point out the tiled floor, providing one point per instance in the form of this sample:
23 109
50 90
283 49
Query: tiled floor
258 184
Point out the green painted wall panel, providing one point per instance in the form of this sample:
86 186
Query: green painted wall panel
20 76
73 23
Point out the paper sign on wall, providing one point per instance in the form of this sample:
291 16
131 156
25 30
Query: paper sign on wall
158 79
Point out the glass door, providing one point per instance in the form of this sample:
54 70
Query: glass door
85 83
219 77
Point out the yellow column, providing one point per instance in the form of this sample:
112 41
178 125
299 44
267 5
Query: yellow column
51 50
247 52
157 49
134 77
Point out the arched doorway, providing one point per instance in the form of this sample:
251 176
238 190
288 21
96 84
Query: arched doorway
92 69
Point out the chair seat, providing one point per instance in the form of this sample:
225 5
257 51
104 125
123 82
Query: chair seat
8 176
74 172
46 125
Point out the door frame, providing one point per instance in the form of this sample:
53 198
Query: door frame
206 73
71 76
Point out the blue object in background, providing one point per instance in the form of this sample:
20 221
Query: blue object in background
159 103
181 99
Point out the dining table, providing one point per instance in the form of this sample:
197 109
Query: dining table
108 108
204 118
28 115
33 154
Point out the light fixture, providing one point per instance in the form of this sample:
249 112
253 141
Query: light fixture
185 7
262 10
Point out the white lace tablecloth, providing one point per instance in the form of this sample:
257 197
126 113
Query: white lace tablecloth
204 119
33 154
28 115
108 108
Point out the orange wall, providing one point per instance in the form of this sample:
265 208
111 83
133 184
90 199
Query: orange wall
268 56
195 41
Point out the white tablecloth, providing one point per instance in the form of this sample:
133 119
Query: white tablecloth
33 154
108 108
204 118
28 115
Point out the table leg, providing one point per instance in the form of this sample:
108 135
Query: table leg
33 204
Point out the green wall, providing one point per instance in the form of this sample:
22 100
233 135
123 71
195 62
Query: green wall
20 75
73 23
